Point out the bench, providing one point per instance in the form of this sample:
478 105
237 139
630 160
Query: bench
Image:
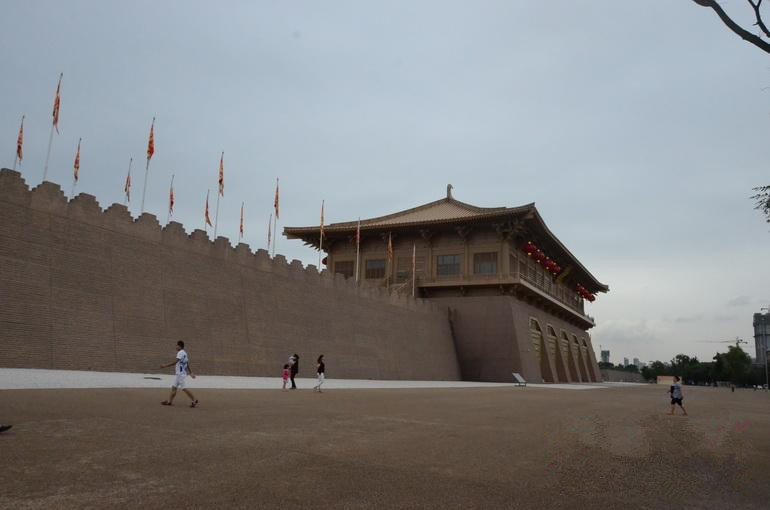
519 379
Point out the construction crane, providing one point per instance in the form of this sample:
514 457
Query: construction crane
737 341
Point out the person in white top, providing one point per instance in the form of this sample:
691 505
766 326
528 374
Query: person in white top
182 363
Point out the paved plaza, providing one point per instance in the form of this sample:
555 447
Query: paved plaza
489 446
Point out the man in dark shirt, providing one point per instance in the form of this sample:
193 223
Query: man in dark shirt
294 370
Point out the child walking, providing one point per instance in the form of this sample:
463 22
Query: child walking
676 396
285 375
321 368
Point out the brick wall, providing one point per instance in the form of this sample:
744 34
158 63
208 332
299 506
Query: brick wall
83 288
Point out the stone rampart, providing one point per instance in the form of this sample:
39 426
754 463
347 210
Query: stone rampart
83 288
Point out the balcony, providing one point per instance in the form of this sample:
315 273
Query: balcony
530 277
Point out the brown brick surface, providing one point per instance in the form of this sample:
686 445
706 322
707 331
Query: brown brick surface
83 288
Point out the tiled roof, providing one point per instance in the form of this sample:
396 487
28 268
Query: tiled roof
445 210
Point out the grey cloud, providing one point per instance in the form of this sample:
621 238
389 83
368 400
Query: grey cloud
376 106
739 301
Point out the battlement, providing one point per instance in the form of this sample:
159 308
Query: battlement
49 198
89 288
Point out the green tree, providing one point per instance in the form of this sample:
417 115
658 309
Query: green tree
733 366
653 370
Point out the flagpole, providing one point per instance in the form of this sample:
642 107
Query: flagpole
144 191
321 242
275 234
170 190
50 136
269 226
358 245
48 155
216 218
276 206
414 258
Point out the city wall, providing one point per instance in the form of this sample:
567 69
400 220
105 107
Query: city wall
83 288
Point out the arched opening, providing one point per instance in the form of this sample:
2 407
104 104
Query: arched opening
538 347
556 354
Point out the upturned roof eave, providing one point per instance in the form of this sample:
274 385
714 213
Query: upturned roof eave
310 234
374 224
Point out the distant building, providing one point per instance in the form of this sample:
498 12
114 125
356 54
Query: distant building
762 336
605 356
637 363
625 362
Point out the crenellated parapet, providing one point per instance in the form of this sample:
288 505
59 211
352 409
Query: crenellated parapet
49 199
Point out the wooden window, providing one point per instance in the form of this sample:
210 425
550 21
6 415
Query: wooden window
344 267
375 268
404 267
448 265
485 263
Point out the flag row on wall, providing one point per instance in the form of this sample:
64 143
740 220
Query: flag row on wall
274 216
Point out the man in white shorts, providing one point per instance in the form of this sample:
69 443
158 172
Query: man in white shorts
182 363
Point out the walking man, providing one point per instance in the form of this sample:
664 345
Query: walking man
294 370
182 363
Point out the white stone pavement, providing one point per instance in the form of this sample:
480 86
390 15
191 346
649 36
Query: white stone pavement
24 378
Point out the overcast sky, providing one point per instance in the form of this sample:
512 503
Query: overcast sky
638 128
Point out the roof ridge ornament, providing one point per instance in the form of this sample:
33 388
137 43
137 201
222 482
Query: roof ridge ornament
449 191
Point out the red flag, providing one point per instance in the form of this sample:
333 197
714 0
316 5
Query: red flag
269 228
171 197
241 228
275 202
390 248
222 174
322 219
151 141
76 166
206 214
20 140
57 103
127 186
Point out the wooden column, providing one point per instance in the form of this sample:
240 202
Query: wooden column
427 236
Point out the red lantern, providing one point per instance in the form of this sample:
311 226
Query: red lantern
529 248
540 256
